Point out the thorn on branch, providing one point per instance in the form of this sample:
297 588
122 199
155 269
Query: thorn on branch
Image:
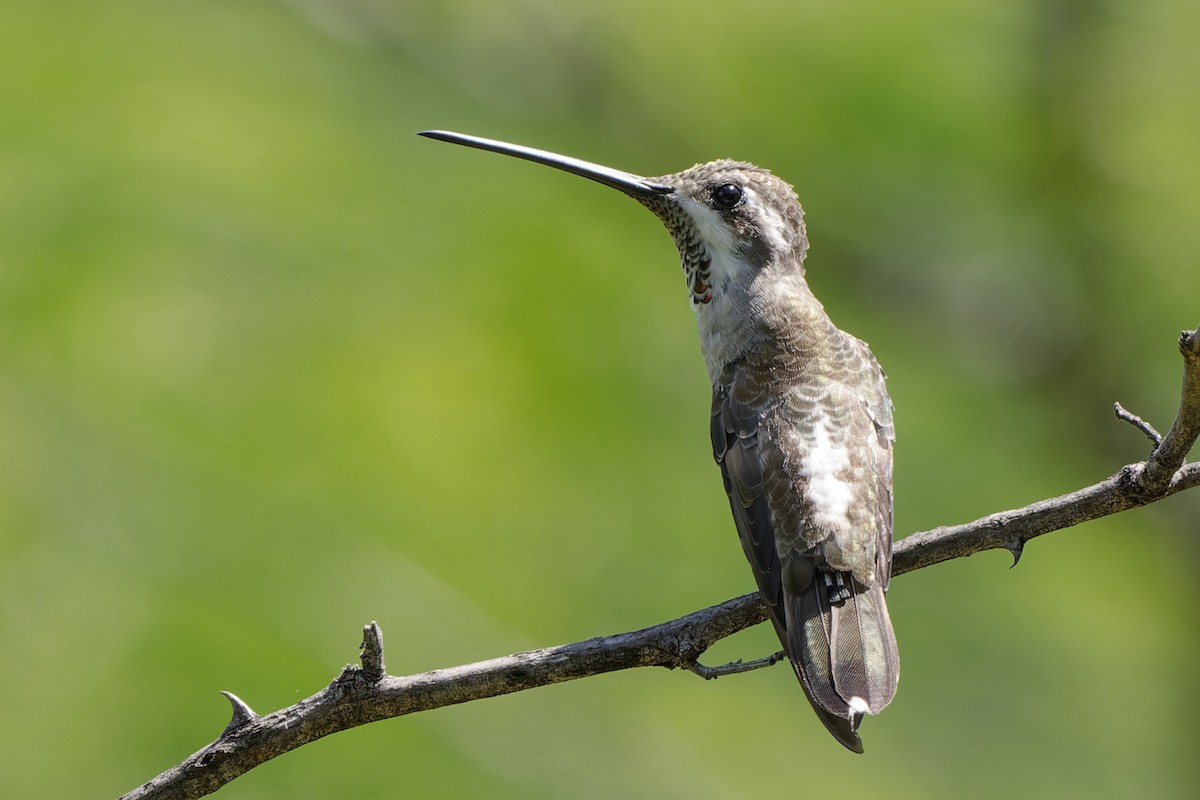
1189 344
1133 419
734 667
1016 546
371 653
242 713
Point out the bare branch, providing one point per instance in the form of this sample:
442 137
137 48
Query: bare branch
367 694
1167 458
355 698
1012 529
1133 419
1134 485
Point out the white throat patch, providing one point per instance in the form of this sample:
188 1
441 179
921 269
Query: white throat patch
722 242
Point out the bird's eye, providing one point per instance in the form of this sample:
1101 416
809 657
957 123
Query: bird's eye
727 195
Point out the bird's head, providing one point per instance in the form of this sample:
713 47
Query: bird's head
729 219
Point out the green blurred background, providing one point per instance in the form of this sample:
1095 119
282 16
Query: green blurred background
271 367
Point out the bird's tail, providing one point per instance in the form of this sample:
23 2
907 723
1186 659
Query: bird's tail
841 644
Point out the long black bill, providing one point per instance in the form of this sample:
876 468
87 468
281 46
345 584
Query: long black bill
628 183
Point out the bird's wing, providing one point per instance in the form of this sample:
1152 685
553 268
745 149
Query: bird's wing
738 405
782 489
878 404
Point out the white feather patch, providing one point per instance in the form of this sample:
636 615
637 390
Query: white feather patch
774 229
720 242
825 456
714 231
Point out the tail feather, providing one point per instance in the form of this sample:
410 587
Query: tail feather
864 657
843 651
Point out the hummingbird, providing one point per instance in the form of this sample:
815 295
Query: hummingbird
801 422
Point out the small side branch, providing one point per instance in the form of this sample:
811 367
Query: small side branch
1133 419
362 694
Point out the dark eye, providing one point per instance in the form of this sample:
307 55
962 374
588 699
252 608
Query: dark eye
727 195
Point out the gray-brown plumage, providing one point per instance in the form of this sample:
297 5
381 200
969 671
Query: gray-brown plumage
801 424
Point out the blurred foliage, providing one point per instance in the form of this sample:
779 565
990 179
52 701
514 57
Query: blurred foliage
271 367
